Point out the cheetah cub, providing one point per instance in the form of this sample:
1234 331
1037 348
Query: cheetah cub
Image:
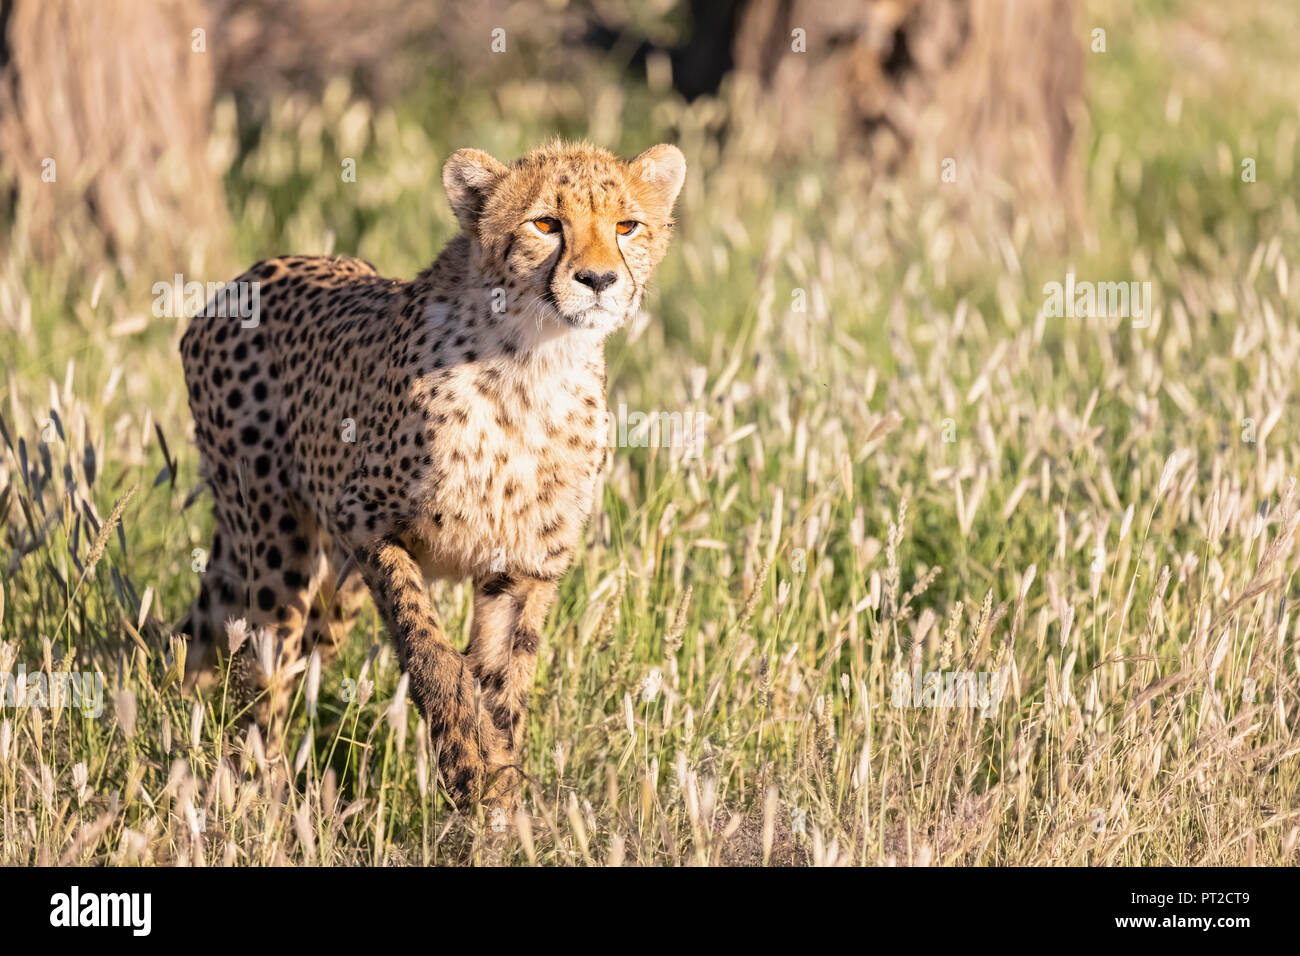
365 435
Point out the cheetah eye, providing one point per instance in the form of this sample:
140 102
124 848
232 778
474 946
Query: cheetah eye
627 227
547 225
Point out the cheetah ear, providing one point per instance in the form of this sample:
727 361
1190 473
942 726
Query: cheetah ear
661 170
468 179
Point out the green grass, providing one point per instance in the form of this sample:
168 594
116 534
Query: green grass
776 585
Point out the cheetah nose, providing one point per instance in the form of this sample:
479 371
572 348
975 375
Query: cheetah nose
597 281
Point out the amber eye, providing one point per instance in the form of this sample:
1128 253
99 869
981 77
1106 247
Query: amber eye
547 225
627 227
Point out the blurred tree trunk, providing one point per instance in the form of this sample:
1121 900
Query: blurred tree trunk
994 85
104 119
700 65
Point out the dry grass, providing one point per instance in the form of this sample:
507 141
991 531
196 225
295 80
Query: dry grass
716 683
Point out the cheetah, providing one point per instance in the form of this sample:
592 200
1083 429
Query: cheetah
365 435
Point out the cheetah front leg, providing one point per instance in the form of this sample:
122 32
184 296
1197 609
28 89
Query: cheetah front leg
441 679
508 617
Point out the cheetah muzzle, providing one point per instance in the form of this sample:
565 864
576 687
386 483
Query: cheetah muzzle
450 426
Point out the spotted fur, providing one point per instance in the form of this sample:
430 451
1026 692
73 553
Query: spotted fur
369 434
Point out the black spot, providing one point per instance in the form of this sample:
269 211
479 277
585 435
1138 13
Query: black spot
525 641
266 599
461 784
498 584
452 752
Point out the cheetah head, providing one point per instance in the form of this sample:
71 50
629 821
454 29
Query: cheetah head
573 231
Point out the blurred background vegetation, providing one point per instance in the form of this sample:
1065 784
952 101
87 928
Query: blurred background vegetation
146 139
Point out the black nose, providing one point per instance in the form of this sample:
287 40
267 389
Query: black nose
598 281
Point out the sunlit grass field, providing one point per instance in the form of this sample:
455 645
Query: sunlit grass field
909 467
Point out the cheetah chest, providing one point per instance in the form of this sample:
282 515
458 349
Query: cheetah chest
514 466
